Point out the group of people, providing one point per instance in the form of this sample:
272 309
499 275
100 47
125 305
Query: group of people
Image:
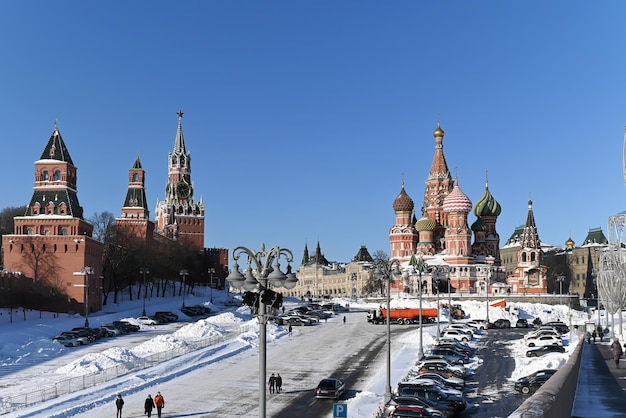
158 402
275 383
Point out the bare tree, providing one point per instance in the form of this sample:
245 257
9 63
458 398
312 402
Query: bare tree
103 226
380 255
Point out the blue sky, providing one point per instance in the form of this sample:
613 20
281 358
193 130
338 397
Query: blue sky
303 117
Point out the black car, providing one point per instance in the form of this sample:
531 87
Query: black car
440 398
330 388
532 382
522 323
538 352
560 327
500 323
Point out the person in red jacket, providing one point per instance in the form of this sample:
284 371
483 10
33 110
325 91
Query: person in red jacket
159 402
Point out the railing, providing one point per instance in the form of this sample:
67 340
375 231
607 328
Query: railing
74 384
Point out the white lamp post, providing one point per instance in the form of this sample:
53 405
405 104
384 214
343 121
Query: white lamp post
437 270
386 269
259 278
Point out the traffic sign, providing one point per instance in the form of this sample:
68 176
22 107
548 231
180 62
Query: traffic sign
340 410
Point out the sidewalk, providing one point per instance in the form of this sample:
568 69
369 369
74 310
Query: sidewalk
601 386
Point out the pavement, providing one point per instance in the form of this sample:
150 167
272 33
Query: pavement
601 390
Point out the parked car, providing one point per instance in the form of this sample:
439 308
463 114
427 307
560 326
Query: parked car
232 302
457 403
166 316
441 369
532 382
559 326
538 352
523 323
411 412
82 339
406 388
456 334
544 340
330 388
297 321
147 320
459 346
66 340
453 382
477 323
451 355
500 323
408 402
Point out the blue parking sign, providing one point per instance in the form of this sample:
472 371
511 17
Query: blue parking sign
340 410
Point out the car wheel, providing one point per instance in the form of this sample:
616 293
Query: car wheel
531 344
525 390
464 339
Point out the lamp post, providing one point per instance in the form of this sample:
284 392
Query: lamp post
144 271
183 274
86 271
419 266
386 269
437 270
211 271
260 277
560 278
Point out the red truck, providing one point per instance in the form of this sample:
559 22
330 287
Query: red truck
401 315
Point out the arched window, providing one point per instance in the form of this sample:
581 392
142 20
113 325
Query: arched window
29 231
182 160
57 175
135 177
44 175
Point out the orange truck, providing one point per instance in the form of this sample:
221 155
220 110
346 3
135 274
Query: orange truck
401 315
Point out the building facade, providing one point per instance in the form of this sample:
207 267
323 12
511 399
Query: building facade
52 242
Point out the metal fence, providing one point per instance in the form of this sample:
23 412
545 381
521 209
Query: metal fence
77 383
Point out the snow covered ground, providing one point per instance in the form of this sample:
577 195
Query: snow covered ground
32 362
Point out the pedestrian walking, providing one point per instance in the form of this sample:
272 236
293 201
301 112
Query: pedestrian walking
272 383
344 319
148 405
279 383
159 402
119 403
290 329
616 347
594 334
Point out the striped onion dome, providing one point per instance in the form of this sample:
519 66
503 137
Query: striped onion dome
403 202
457 201
487 205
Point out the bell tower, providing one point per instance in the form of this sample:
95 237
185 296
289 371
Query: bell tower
179 217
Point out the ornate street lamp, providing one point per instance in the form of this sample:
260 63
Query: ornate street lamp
144 271
386 268
560 278
183 274
259 275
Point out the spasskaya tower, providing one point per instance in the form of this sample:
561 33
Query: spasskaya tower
179 217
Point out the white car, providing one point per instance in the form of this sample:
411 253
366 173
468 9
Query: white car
456 334
462 327
537 334
544 340
146 320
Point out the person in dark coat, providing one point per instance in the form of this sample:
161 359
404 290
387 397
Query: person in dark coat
279 383
272 383
148 406
119 403
616 347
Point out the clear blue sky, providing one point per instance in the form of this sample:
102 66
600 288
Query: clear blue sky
302 117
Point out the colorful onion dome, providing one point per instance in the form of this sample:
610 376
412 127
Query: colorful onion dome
479 226
457 201
487 205
403 202
425 224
